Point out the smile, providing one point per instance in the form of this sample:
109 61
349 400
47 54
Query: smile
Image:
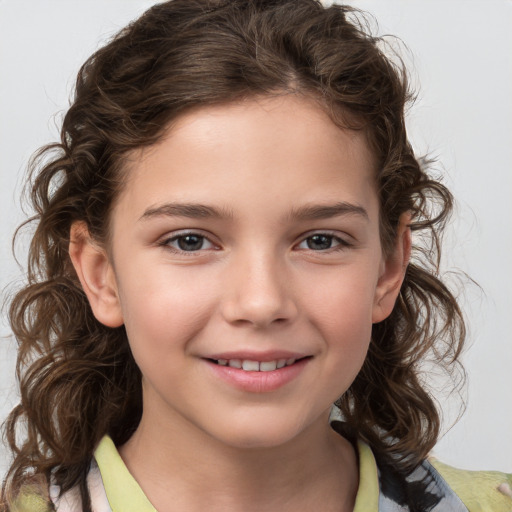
251 375
255 366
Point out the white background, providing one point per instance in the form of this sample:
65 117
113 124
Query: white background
460 53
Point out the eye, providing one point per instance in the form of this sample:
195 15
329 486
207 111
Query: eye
323 242
188 242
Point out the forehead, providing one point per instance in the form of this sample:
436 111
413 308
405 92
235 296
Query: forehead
268 152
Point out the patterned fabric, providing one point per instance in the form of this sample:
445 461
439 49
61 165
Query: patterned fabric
423 490
431 487
481 491
68 502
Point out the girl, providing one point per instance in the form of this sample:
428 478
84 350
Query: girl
224 249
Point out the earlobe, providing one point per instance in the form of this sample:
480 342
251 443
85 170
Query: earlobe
393 272
95 272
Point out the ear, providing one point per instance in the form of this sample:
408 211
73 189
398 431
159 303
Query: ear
392 272
96 275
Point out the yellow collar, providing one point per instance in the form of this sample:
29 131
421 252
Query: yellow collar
123 492
125 495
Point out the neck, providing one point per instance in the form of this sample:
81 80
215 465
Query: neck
316 470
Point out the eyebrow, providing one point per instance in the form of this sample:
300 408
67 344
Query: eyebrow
319 212
303 213
190 210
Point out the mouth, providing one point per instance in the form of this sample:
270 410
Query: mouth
262 374
249 365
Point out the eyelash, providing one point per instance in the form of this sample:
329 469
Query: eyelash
166 242
342 244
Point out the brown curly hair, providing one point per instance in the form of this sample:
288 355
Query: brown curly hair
77 377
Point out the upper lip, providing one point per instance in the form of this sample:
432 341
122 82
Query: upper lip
257 356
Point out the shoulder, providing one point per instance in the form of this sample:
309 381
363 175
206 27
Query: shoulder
479 490
40 498
33 497
32 502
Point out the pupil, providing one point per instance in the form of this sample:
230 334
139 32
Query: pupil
190 242
319 242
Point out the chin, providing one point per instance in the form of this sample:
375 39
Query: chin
255 434
257 441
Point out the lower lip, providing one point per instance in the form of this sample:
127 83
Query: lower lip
258 382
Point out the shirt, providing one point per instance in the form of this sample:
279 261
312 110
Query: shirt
431 487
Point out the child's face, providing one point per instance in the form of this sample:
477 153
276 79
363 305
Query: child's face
250 233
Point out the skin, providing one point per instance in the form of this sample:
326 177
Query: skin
259 281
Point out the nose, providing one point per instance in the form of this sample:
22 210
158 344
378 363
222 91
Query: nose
258 291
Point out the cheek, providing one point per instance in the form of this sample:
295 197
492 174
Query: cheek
164 309
343 298
341 311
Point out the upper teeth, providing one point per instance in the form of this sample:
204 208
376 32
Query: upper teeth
256 366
